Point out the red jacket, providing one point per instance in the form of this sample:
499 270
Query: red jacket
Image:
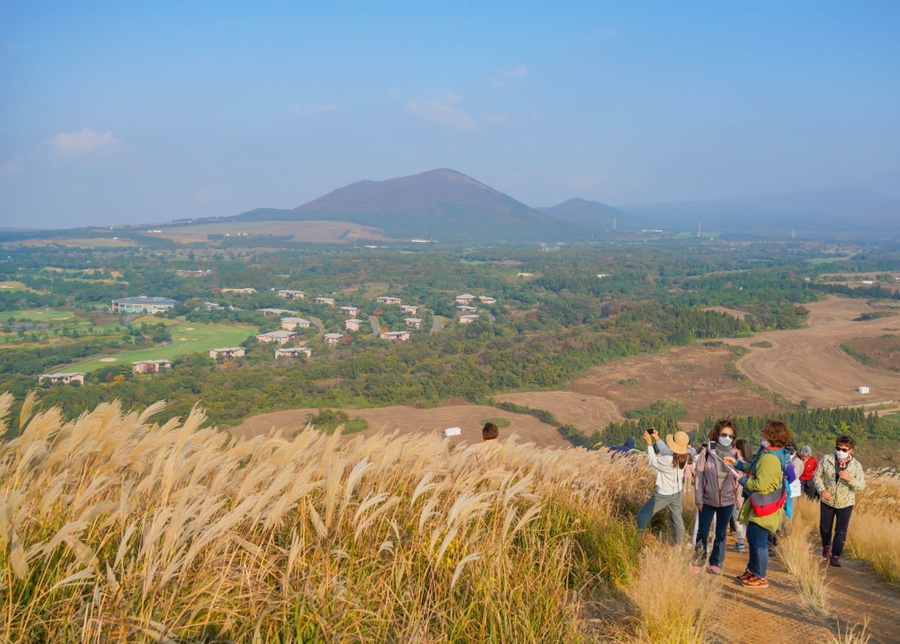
809 469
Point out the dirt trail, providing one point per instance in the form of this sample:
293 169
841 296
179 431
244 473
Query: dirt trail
777 614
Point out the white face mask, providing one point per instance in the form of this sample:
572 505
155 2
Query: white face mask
764 442
725 441
842 456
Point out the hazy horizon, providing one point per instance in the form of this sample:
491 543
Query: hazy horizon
118 114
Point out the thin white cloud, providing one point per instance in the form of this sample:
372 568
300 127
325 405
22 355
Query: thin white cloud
443 112
15 165
505 76
83 142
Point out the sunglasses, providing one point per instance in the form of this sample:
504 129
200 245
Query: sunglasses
724 435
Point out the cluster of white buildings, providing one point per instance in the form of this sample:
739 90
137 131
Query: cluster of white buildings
469 313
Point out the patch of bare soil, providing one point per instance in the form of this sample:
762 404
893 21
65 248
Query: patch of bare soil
696 376
584 411
469 418
857 595
777 614
884 351
773 615
808 364
732 312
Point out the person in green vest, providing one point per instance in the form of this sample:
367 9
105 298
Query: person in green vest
764 476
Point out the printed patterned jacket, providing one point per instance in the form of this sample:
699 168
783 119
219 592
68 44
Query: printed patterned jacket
843 494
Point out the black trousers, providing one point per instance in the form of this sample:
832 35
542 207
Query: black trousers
809 488
837 520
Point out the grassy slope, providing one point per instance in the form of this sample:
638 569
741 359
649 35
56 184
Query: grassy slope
200 339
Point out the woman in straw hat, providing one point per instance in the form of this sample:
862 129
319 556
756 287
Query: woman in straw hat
669 481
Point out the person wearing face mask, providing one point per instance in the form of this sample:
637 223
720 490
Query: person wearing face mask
838 478
765 492
716 490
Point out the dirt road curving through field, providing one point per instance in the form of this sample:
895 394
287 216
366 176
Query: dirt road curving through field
808 364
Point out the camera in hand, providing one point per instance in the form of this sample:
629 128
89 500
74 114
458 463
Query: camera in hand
651 430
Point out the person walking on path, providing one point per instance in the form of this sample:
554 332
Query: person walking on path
669 481
764 481
715 491
809 471
838 478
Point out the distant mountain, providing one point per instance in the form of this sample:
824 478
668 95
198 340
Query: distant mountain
845 213
443 204
594 215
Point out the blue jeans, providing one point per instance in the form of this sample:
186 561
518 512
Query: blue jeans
704 520
758 543
659 502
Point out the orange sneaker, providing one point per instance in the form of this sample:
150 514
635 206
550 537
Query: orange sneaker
756 582
747 574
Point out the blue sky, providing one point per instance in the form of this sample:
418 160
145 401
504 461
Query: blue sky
121 112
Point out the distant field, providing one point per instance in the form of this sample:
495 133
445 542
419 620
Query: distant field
300 231
40 315
186 339
882 352
407 420
855 280
808 364
15 286
732 312
93 242
697 376
584 411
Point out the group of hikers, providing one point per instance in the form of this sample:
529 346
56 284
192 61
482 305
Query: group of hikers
755 493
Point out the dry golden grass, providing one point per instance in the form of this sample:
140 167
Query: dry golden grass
115 529
851 635
874 534
673 603
796 553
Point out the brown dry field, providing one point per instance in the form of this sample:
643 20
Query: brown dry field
884 349
94 242
696 376
732 312
808 364
302 231
587 412
469 418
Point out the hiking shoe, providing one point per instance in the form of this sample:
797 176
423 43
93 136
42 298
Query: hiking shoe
739 547
714 570
756 582
696 569
835 561
826 552
747 574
